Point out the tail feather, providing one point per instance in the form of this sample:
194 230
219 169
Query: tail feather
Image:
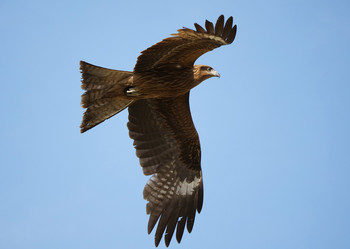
104 96
91 96
104 109
95 77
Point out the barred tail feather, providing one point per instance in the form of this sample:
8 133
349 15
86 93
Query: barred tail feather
104 96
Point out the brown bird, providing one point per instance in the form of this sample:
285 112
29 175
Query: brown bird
160 123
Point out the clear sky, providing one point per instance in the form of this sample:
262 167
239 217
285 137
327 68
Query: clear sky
274 129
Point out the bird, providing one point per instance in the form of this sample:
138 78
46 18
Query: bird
156 94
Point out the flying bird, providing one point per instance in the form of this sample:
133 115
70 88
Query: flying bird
156 94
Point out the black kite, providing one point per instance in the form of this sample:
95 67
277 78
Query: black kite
160 123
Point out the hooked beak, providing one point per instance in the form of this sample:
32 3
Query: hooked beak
215 74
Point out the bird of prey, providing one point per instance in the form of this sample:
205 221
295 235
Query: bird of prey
156 94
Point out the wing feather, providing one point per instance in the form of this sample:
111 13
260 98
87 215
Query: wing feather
163 222
219 26
187 45
210 27
228 27
231 35
199 28
171 226
180 229
174 188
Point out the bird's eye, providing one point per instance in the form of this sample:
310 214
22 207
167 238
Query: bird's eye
206 68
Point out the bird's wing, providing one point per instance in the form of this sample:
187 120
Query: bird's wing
187 45
167 145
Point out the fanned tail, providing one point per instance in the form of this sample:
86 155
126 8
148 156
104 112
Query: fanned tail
104 96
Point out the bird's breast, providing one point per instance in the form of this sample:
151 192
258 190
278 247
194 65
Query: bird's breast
164 82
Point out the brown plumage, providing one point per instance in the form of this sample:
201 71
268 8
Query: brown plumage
160 123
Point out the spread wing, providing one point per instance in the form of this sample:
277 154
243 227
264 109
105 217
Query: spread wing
167 144
187 45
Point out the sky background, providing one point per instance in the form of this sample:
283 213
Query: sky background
274 129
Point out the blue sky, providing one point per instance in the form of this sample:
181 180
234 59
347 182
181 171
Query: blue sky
274 128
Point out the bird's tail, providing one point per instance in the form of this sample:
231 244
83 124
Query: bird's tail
104 93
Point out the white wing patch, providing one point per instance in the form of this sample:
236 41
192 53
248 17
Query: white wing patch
187 188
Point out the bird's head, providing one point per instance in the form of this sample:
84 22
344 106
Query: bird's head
203 72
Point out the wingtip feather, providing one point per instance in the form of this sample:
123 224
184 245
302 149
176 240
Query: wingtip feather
180 229
199 28
210 27
152 221
231 36
219 25
228 27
